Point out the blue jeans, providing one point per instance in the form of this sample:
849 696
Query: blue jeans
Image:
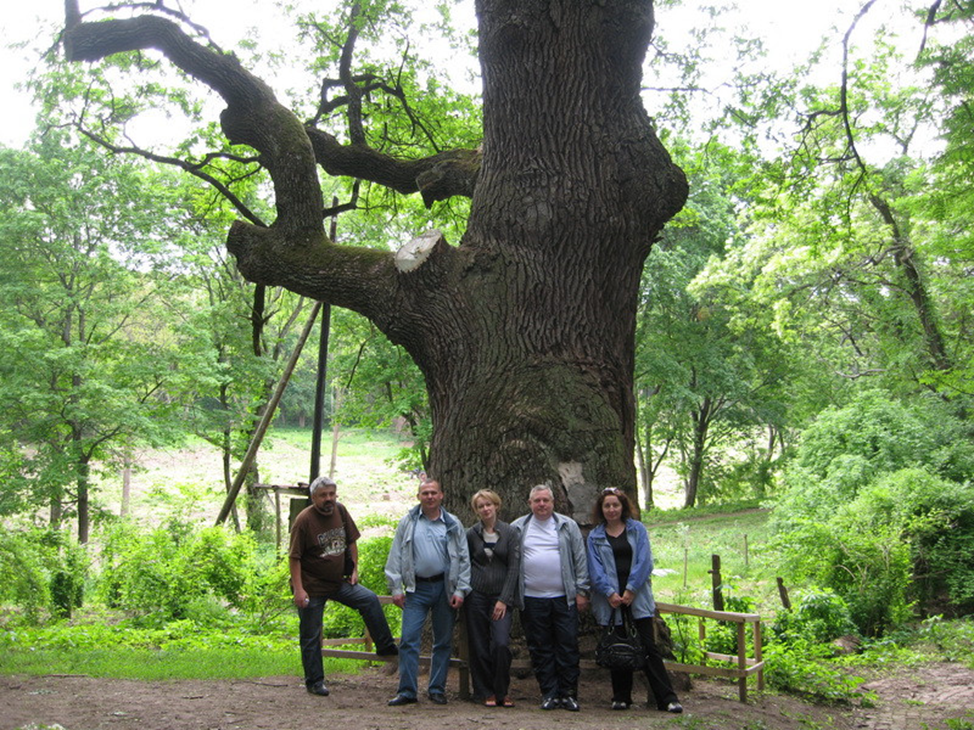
551 629
357 597
428 598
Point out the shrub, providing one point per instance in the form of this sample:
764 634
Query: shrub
42 570
156 577
819 617
23 579
953 640
70 570
803 668
722 635
267 593
873 511
340 621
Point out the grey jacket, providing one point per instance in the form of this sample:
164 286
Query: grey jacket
571 548
400 567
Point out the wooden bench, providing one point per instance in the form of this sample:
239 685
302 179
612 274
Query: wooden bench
743 665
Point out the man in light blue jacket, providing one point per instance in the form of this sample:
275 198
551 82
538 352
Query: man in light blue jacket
554 587
428 572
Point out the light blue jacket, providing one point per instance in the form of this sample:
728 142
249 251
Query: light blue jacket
571 548
400 566
605 581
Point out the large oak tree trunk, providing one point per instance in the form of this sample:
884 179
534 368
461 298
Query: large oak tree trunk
530 371
525 330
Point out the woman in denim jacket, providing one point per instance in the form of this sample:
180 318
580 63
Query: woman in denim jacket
620 566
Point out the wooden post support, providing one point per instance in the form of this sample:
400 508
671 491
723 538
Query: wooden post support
742 662
783 592
265 420
464 653
277 521
717 582
758 658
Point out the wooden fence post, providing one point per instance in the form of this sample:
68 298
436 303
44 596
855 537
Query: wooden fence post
783 592
717 582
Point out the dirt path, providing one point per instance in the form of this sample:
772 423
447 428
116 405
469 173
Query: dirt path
359 702
921 697
910 700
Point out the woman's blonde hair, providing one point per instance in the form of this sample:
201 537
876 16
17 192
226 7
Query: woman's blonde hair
488 494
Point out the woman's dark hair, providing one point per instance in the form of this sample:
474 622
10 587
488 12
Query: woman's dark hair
627 510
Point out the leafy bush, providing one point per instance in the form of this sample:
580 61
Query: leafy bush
819 617
887 436
952 640
23 579
340 621
803 668
873 512
69 565
157 577
42 570
721 636
267 596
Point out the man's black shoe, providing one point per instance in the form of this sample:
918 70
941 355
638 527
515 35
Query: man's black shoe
401 699
391 650
570 704
437 698
318 688
550 703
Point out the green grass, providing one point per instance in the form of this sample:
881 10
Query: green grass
665 516
152 664
738 538
161 664
353 443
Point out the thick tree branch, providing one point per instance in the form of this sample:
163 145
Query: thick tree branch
193 168
253 116
361 279
439 177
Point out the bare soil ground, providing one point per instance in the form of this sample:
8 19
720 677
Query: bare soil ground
916 699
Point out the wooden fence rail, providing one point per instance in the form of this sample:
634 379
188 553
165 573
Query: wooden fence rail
745 665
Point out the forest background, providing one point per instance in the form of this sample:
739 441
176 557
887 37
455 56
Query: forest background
803 333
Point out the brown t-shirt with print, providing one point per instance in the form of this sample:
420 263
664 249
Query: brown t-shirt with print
319 542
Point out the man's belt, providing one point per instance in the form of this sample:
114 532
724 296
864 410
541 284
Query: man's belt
431 579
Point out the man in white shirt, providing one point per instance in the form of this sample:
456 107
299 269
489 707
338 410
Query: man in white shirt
554 588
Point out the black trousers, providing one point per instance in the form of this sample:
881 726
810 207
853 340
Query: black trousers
489 643
551 629
659 680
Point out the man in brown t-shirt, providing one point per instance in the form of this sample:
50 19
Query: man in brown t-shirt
321 536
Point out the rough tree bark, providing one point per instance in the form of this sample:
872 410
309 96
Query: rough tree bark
525 330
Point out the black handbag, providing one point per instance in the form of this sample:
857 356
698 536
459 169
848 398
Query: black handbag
619 645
